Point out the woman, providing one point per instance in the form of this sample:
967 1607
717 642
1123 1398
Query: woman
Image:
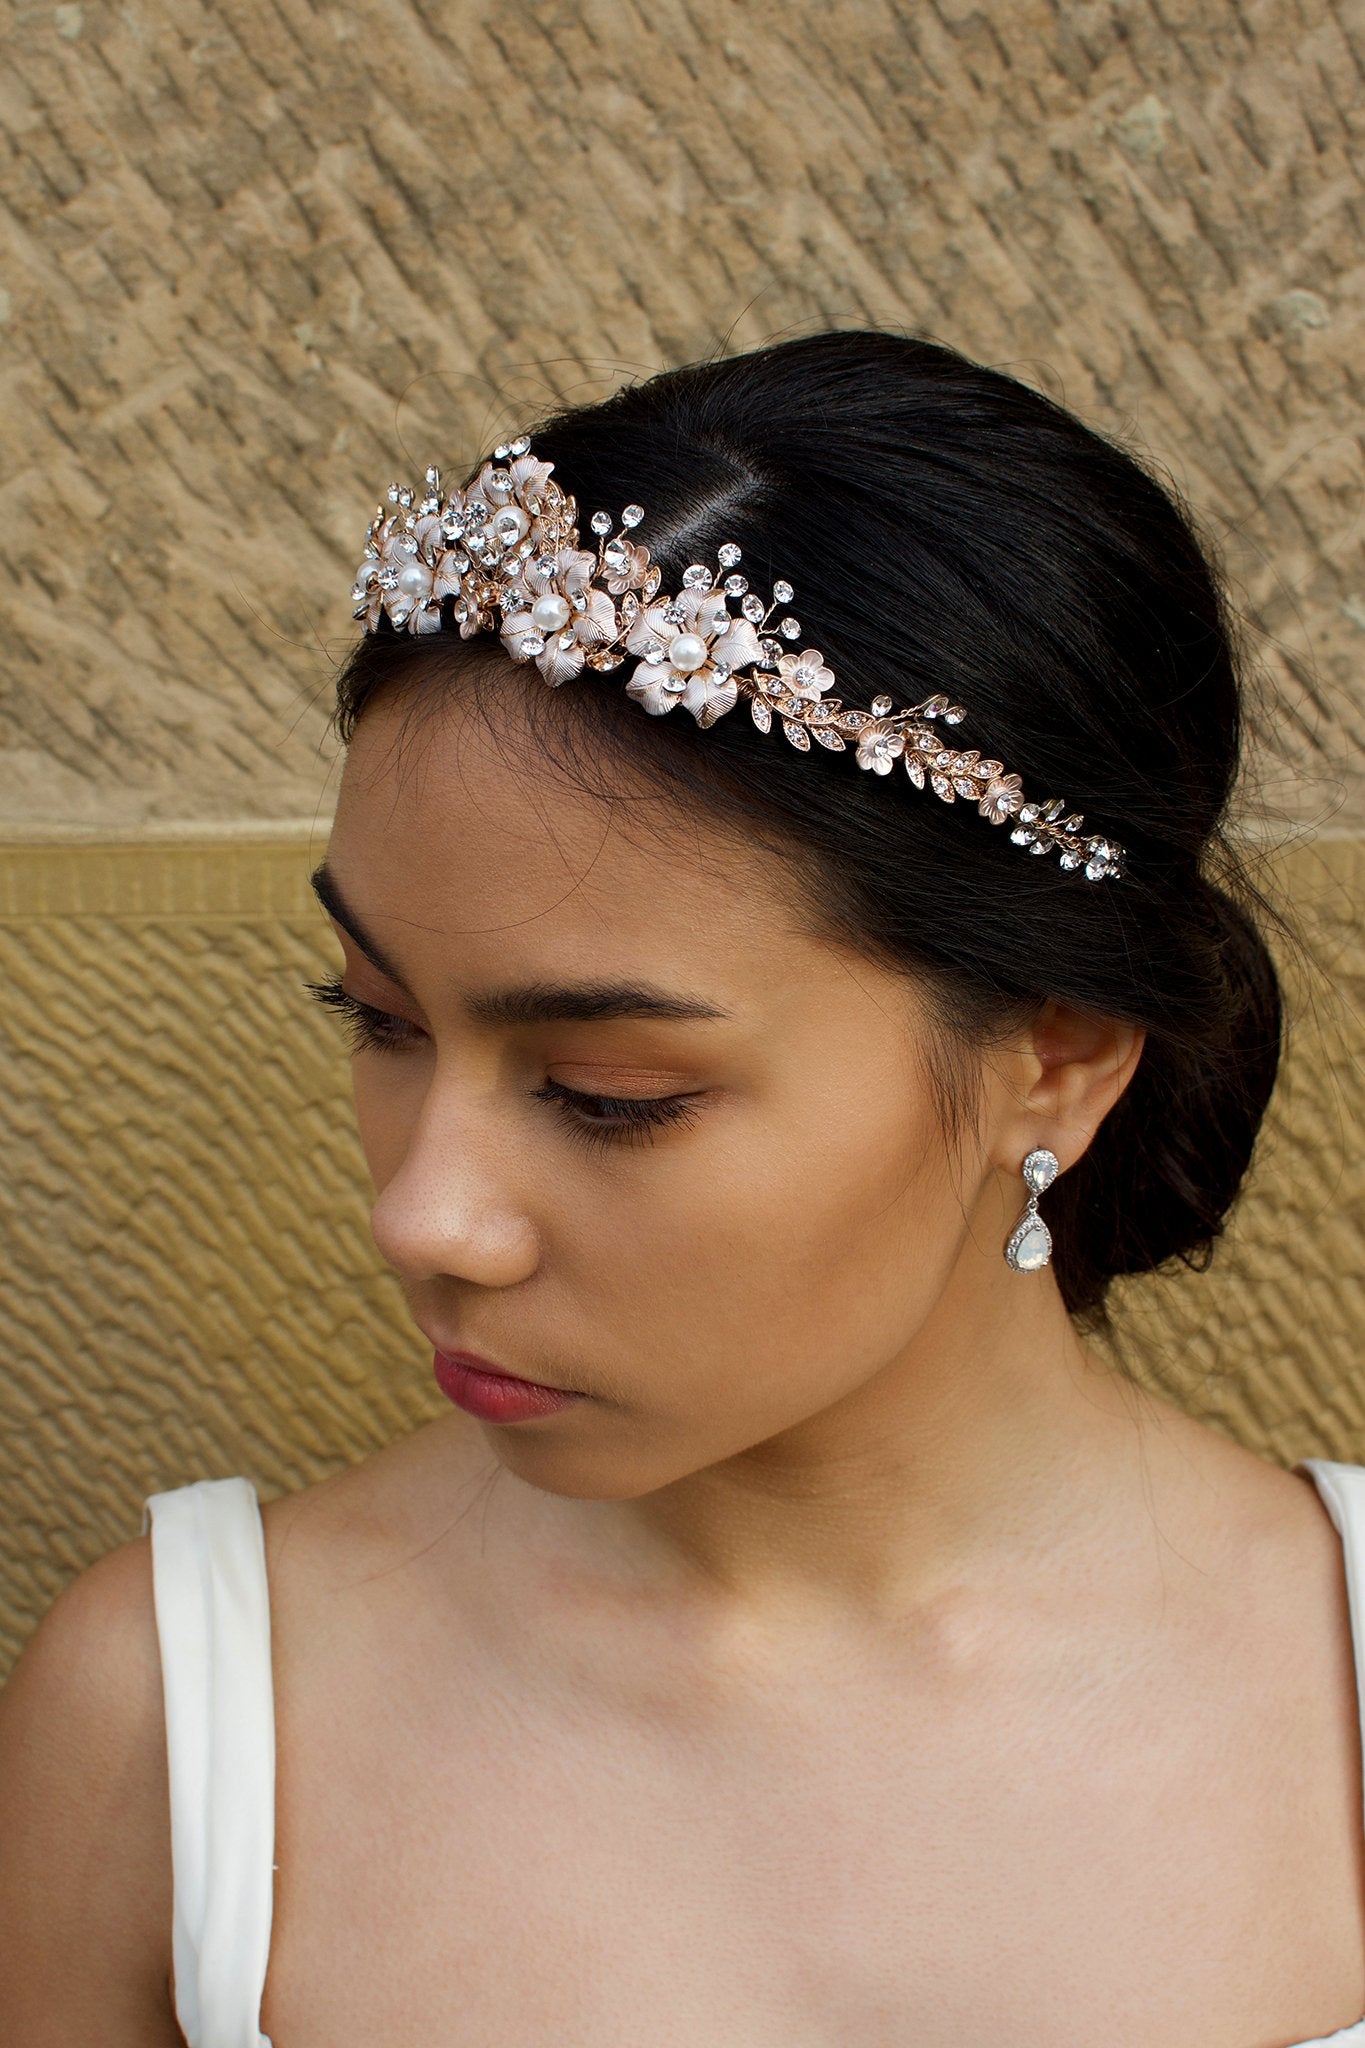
794 1634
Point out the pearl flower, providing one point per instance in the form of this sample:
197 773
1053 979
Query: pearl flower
702 647
407 581
552 615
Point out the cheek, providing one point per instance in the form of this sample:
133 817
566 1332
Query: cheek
786 1260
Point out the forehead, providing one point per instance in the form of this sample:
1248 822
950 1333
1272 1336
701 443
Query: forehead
451 826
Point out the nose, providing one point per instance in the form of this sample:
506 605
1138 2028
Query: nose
449 1208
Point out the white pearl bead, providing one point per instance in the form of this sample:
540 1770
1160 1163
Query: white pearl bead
687 651
414 579
550 613
510 524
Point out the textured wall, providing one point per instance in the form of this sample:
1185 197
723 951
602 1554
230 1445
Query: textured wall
258 257
193 1290
261 255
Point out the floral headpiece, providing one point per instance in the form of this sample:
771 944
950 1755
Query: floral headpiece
505 552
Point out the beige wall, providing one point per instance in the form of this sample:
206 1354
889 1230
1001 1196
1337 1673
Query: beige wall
259 259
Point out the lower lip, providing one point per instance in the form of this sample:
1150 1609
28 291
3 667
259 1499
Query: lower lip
492 1395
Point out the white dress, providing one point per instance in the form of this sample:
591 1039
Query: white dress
213 1622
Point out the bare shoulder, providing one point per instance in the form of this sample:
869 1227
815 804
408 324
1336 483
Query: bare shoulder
85 1868
387 1505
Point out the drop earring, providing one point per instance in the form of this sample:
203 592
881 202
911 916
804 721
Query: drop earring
1030 1245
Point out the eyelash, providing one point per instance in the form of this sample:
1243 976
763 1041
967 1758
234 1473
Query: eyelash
616 1120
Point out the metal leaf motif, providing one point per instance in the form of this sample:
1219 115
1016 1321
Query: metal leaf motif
481 571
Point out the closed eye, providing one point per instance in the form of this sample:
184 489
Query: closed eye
596 1119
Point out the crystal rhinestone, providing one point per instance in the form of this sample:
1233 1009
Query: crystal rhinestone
735 586
674 613
965 787
771 650
1052 810
720 670
942 787
509 524
475 512
954 715
501 452
452 529
1096 869
655 656
1039 846
727 555
608 659
1069 858
696 577
1028 814
945 759
521 446
880 705
600 522
632 515
405 495
533 644
915 770
1022 836
760 714
545 566
1074 824
753 608
797 734
790 629
500 480
783 593
673 686
935 707
614 553
829 739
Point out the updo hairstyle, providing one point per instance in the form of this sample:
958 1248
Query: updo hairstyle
947 529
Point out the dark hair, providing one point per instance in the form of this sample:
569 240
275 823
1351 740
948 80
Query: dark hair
948 529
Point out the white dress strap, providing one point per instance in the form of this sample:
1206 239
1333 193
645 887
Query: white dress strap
1342 1488
213 1621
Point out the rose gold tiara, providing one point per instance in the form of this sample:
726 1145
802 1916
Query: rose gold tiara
503 555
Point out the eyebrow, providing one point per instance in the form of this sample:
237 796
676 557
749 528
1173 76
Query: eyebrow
537 1002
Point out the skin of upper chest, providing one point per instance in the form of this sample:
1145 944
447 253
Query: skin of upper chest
552 1826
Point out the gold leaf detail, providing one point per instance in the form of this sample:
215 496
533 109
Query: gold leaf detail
761 714
797 734
828 739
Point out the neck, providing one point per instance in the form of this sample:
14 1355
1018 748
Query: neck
995 1441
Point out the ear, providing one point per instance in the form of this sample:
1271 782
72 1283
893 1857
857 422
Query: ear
1073 1067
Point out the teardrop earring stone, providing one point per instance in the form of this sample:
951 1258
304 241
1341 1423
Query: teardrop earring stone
1030 1248
1041 1169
